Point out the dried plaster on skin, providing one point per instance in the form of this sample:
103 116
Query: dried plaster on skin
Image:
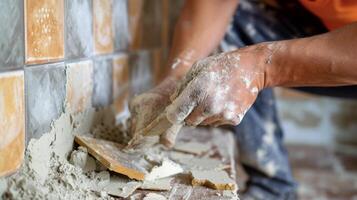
195 90
46 173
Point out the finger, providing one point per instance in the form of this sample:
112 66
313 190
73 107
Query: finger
184 104
190 76
211 120
169 137
196 116
224 122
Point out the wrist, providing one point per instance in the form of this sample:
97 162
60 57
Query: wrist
256 62
268 56
179 65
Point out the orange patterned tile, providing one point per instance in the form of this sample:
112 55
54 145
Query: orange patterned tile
135 27
12 123
103 26
79 85
44 30
120 74
147 23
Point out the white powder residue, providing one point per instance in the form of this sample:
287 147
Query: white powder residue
254 90
230 110
271 168
247 81
268 137
261 153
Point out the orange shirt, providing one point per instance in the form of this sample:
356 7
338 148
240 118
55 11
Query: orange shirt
333 13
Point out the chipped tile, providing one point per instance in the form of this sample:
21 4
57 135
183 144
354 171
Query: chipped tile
120 74
46 91
12 123
121 25
103 26
12 34
79 85
79 42
145 15
102 92
44 30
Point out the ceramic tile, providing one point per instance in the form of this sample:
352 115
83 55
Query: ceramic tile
120 105
120 74
143 16
121 25
79 42
46 91
102 92
12 34
12 123
103 26
140 72
79 85
44 30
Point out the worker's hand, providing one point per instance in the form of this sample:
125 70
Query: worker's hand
218 89
146 107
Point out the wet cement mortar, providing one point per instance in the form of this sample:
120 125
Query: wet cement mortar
50 172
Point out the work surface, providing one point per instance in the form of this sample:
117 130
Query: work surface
223 148
206 167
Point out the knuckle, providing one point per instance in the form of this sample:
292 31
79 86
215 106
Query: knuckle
235 121
208 110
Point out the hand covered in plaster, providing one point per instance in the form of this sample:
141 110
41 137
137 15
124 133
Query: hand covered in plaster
218 90
148 106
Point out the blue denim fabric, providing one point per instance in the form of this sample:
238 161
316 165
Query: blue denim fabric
259 135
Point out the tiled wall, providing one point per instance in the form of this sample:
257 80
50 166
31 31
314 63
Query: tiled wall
74 53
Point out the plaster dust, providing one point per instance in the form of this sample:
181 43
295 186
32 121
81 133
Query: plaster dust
190 162
154 196
163 184
196 148
121 187
47 174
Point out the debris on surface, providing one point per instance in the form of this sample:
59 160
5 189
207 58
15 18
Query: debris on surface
130 163
121 187
196 148
166 169
154 196
163 184
197 163
214 179
80 158
54 170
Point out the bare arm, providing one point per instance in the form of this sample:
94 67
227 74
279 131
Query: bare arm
200 28
221 88
325 60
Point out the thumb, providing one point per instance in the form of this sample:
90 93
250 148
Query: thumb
169 137
182 106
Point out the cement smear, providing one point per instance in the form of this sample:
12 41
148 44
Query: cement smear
46 172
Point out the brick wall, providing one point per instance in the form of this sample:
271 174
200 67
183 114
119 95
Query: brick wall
74 53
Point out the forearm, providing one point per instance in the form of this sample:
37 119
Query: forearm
325 60
200 28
